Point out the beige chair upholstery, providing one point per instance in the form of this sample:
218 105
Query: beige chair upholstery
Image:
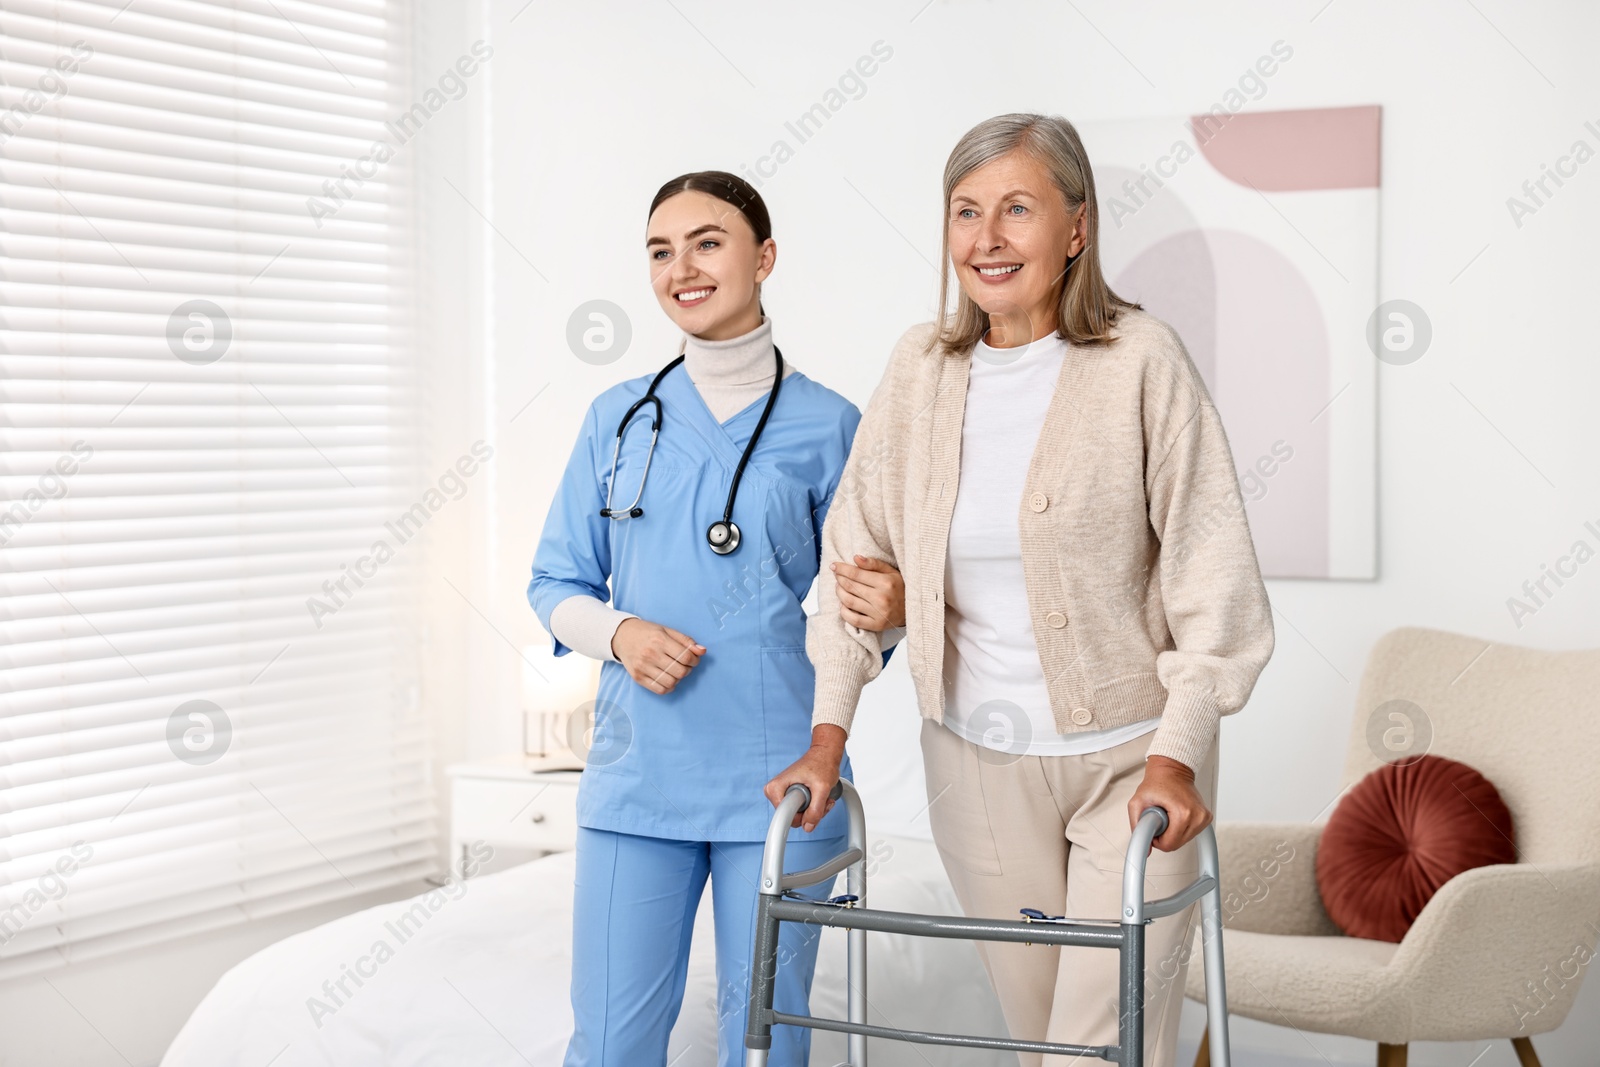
1499 952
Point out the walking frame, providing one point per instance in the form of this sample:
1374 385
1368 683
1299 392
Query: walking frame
777 903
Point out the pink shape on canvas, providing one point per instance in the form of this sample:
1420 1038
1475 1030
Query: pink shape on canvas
1318 148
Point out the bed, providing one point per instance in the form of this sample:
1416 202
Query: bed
477 973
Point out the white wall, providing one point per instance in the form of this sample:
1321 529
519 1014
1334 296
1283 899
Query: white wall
1486 464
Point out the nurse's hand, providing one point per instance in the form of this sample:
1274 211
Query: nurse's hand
872 595
1169 784
655 656
817 770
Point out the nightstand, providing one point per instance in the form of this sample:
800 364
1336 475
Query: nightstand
517 802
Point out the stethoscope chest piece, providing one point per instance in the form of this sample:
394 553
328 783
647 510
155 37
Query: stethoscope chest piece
723 536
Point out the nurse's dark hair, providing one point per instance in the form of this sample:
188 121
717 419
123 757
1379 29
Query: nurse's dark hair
729 188
726 187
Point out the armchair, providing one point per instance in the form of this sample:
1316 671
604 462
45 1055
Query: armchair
1499 951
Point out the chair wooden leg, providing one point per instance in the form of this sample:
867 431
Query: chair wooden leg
1202 1055
1525 1054
1391 1055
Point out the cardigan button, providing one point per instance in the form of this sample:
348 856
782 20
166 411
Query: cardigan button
1082 716
1056 620
1039 502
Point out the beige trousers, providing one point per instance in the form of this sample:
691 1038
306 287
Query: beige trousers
1051 832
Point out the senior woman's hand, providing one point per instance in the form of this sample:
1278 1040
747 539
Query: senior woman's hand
872 595
817 770
1169 784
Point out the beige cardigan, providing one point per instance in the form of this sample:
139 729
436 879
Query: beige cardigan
1141 575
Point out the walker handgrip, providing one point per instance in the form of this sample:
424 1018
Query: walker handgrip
835 794
1162 823
1152 823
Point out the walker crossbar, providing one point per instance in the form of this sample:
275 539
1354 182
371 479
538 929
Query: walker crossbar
898 922
923 1037
1126 935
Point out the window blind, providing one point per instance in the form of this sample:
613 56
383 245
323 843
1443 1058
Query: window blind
209 709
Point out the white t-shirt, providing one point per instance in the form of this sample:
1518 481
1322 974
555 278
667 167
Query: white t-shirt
995 692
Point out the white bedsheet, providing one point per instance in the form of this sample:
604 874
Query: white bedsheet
483 979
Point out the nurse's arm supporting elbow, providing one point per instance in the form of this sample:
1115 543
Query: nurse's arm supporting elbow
871 593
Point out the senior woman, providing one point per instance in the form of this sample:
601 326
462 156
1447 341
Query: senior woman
1082 598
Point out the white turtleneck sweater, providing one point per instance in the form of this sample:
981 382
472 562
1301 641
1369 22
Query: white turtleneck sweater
730 376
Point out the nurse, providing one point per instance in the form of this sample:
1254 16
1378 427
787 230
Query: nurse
698 493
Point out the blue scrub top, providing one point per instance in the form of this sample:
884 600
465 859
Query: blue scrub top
692 764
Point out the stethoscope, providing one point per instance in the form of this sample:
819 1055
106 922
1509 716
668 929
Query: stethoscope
722 535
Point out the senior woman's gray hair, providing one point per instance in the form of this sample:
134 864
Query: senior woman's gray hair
1086 308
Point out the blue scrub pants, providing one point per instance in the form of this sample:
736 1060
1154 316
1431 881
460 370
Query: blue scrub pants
632 919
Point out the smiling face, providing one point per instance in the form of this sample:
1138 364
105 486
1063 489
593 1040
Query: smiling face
706 264
1010 237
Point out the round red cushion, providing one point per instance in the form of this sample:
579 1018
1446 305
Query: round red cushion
1402 832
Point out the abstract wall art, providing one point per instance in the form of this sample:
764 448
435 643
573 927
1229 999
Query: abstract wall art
1255 234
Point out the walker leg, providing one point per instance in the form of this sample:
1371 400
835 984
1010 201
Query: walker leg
763 982
856 883
1130 1039
858 996
1211 939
